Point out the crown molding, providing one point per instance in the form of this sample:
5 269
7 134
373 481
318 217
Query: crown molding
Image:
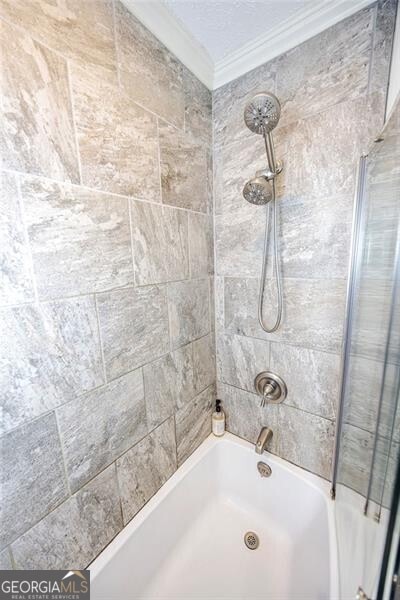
158 19
292 32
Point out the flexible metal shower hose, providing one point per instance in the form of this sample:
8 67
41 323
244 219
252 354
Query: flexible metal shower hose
276 266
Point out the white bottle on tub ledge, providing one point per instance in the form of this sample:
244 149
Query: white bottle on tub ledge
218 420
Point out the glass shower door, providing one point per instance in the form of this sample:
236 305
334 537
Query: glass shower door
368 439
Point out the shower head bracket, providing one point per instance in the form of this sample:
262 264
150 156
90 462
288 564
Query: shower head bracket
268 174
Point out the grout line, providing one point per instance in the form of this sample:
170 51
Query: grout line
27 243
100 191
111 463
127 287
145 396
217 332
131 241
72 105
159 161
116 46
98 388
194 368
20 535
189 247
81 65
103 362
169 321
119 492
299 346
88 482
176 439
60 439
283 405
372 50
12 559
161 118
36 39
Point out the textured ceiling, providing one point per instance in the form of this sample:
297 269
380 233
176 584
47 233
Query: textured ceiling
222 26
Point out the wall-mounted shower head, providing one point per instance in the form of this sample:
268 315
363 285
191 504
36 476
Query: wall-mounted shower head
258 191
262 113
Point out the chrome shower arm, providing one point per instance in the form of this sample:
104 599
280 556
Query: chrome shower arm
269 149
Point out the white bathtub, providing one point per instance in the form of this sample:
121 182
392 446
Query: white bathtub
187 542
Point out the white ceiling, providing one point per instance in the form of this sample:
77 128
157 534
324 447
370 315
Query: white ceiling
219 40
222 26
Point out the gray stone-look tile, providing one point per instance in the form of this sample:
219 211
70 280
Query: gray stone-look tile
77 531
15 276
201 245
383 164
382 46
150 73
229 102
117 139
32 480
212 302
168 384
145 468
189 310
134 327
210 180
234 165
382 207
245 417
393 120
5 560
219 303
204 362
193 423
37 128
312 378
305 439
356 457
49 354
363 395
311 246
372 315
198 107
80 239
321 165
313 311
381 232
357 463
80 31
160 243
183 169
239 241
99 427
240 359
327 69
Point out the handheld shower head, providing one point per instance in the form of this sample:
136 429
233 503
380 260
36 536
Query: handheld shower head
258 191
262 113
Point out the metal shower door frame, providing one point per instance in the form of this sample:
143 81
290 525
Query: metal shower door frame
357 239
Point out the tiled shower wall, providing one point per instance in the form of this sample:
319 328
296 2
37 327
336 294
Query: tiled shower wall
332 90
107 361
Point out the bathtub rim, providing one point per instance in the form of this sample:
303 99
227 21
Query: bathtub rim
320 486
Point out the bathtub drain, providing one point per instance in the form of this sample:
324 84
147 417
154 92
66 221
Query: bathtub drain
251 540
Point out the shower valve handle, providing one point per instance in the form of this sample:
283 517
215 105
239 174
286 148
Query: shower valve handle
270 387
